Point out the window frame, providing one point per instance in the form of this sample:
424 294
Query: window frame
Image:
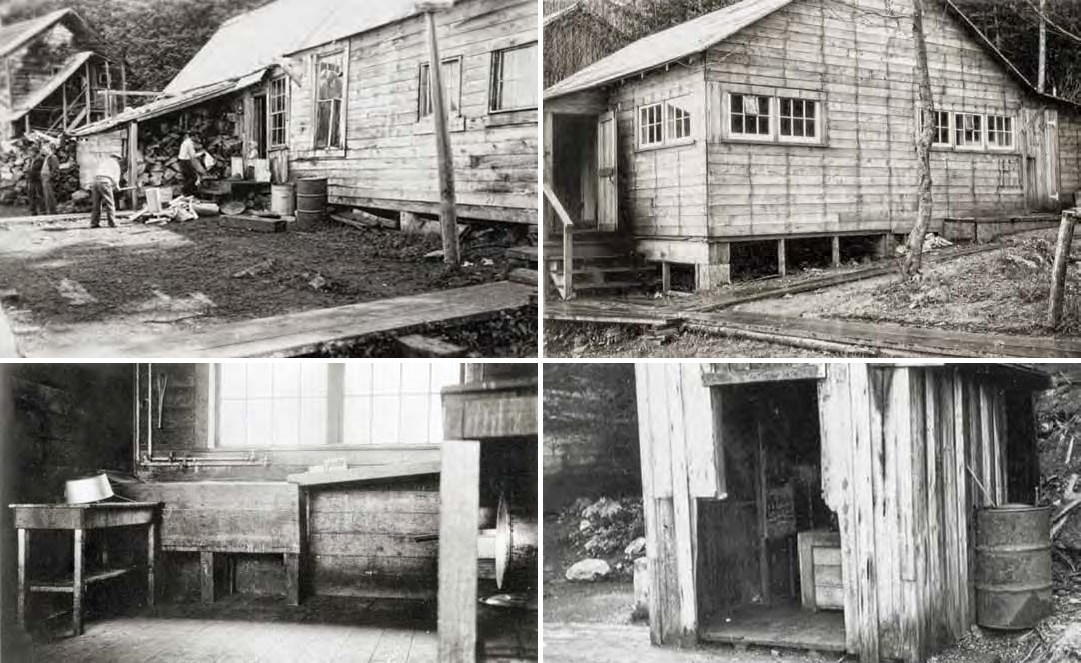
421 115
659 105
343 51
283 113
335 424
800 140
981 146
775 95
665 105
1012 133
494 64
770 136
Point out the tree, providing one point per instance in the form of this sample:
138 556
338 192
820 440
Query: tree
914 257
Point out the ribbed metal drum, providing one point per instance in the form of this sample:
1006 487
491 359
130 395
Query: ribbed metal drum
1013 566
311 203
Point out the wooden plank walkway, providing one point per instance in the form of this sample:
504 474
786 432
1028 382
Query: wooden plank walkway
307 332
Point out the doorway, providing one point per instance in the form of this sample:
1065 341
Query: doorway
769 566
259 125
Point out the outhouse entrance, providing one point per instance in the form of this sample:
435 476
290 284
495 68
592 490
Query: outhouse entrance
769 564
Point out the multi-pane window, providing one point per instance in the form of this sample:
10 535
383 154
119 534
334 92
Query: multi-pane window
288 405
679 119
968 129
395 403
277 111
330 89
650 125
999 131
942 128
452 87
798 119
749 115
514 78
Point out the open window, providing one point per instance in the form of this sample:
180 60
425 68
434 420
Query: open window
329 98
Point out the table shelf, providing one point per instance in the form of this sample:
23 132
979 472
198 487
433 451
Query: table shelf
67 583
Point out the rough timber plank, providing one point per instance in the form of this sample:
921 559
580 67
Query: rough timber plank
306 332
459 492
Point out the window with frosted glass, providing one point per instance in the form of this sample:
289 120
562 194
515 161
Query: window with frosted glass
272 405
395 403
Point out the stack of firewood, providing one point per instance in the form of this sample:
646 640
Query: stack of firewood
15 158
214 130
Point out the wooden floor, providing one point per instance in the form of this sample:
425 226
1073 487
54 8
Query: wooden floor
255 628
308 332
785 625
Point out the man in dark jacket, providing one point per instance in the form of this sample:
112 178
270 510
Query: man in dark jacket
49 171
33 181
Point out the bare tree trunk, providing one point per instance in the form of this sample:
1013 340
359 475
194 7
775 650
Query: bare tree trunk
1041 72
914 257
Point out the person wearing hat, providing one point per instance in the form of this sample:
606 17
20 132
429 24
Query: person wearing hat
50 169
33 180
106 179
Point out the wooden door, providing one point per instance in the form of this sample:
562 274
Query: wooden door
607 173
1050 145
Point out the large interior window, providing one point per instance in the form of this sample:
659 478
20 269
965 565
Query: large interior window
330 88
452 87
514 78
298 404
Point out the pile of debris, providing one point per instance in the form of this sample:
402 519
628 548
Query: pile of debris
213 128
185 208
15 158
931 241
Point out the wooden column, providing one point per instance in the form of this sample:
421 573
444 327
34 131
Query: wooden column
64 102
835 251
1058 273
123 86
781 257
459 490
206 584
151 561
292 578
133 164
78 589
448 211
24 548
108 87
666 276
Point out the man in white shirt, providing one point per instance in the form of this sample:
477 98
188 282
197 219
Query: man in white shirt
106 179
189 164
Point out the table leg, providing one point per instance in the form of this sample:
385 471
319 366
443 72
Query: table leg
151 549
24 548
78 588
292 578
206 563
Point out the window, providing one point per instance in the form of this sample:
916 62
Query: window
514 78
650 125
330 83
749 115
290 405
277 110
999 131
942 128
968 130
679 119
798 119
452 87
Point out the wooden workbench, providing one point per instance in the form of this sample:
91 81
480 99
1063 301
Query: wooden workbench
79 518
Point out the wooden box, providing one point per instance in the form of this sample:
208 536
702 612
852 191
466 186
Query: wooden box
821 586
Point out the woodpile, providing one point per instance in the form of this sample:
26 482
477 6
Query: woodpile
15 158
214 129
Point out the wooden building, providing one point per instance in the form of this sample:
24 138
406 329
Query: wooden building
302 499
53 76
775 122
325 88
826 506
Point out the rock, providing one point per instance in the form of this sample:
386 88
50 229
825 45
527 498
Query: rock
588 570
80 196
636 548
584 525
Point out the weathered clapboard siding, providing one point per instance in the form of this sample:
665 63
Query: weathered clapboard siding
907 455
863 177
663 190
363 539
389 157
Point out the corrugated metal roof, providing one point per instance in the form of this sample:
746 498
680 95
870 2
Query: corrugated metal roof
253 41
15 35
669 45
171 104
70 67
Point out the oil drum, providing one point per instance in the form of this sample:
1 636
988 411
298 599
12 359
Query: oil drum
1013 566
311 203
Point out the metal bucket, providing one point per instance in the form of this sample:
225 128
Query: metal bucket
282 199
1013 566
311 209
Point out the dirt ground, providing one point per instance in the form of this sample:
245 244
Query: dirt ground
70 280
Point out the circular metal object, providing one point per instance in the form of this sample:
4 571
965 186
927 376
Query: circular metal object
88 489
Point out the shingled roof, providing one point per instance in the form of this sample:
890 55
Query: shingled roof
252 41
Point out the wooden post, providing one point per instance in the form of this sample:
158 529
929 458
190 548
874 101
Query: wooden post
206 567
835 251
24 550
89 93
123 86
1058 273
133 164
666 276
108 86
781 257
763 520
151 564
459 489
78 586
448 213
292 578
64 101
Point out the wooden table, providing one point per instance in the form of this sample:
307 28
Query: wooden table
79 518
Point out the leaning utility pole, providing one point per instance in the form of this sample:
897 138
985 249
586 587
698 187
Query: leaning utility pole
448 212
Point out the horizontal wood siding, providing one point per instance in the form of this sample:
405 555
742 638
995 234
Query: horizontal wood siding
390 157
662 190
1069 151
363 539
864 178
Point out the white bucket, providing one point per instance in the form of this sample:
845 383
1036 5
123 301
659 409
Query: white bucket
88 489
283 199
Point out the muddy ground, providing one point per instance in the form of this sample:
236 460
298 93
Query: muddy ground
70 280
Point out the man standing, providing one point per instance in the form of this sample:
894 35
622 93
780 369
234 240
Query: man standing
33 180
50 168
105 181
190 167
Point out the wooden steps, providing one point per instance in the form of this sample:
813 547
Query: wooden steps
603 263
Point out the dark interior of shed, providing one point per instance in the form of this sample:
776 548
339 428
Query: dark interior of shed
769 556
575 174
369 548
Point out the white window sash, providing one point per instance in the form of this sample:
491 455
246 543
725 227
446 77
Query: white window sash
812 140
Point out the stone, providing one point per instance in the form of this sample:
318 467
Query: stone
588 570
635 548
